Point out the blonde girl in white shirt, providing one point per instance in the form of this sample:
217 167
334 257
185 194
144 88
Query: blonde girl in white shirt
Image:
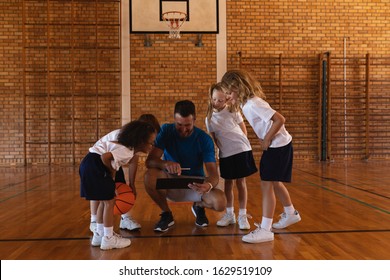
227 127
277 157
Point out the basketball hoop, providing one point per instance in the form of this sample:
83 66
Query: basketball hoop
175 20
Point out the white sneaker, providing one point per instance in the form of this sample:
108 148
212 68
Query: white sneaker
92 226
258 235
114 242
96 239
129 223
243 222
226 220
287 220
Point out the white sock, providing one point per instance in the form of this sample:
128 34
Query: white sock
266 223
108 231
93 218
289 210
241 212
230 210
100 229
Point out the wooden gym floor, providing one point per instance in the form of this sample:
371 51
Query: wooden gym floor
345 213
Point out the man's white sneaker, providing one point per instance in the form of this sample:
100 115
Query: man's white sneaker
227 219
92 226
287 220
129 223
96 239
243 222
258 235
114 242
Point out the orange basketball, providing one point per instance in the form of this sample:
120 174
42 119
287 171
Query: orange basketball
124 199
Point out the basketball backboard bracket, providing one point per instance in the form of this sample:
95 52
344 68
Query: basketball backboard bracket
148 42
199 42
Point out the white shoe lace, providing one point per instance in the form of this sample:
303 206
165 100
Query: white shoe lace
247 216
282 219
258 228
132 223
117 235
226 218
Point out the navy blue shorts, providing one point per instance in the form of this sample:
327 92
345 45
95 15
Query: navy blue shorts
276 164
95 180
237 166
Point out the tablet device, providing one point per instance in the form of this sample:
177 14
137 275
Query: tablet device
178 182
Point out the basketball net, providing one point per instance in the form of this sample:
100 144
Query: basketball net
174 20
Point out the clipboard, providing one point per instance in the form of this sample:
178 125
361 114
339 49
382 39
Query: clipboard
177 182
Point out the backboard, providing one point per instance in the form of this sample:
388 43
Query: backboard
146 15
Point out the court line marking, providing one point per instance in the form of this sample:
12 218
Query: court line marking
342 183
19 193
196 235
349 197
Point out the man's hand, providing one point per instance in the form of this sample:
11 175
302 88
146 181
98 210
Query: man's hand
173 167
201 188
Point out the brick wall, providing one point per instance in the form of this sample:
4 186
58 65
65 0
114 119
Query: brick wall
61 83
308 27
259 31
170 71
11 83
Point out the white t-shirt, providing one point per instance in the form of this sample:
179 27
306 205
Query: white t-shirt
122 155
230 138
259 113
